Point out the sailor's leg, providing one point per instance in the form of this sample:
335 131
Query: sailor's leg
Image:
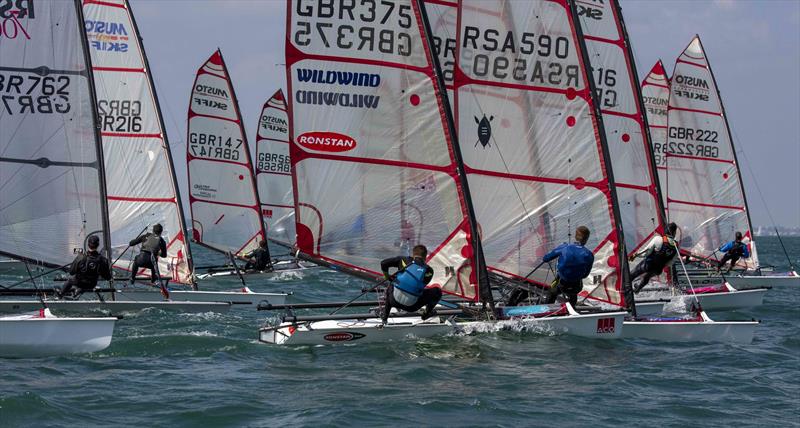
723 261
136 266
387 304
641 269
430 298
68 284
555 290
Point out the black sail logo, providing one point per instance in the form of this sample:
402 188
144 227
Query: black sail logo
484 131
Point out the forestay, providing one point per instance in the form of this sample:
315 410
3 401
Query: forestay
704 189
655 95
617 88
51 167
374 163
274 171
225 211
142 189
531 140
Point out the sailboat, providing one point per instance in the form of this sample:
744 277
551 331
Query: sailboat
636 181
51 168
379 122
703 191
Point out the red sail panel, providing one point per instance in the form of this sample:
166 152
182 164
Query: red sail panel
522 93
372 159
704 192
274 170
140 177
225 211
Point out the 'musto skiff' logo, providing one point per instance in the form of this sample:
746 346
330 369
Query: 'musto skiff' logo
326 141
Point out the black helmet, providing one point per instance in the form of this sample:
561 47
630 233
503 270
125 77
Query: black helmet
157 229
93 242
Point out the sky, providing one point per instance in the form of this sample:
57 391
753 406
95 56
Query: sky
753 47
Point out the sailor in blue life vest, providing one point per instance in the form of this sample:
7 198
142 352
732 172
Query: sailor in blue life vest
153 247
734 250
407 288
86 269
258 259
661 253
574 264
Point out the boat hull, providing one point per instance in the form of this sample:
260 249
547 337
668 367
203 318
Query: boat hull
43 337
370 330
110 307
704 330
239 297
751 281
280 268
723 301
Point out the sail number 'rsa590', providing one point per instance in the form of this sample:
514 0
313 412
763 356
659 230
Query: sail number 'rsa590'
326 141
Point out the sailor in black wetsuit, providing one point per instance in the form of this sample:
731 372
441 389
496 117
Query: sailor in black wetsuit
661 253
408 291
734 250
258 259
153 247
86 269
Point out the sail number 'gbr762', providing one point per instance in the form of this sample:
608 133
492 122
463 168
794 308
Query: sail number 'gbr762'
34 94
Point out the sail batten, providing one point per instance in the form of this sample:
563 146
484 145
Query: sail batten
704 192
142 188
226 214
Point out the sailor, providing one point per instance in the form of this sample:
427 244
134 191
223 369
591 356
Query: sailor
574 264
734 250
661 253
86 269
258 259
153 247
407 288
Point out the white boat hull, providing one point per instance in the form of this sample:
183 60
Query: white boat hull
111 307
280 268
598 326
704 330
730 300
240 297
43 337
750 281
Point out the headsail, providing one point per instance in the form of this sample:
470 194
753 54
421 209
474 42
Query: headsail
222 192
532 140
274 170
142 188
51 163
630 153
704 189
655 94
375 163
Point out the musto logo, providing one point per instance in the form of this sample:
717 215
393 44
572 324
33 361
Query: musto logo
326 142
343 336
605 325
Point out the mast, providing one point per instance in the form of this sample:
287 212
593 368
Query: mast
621 254
167 147
97 134
483 275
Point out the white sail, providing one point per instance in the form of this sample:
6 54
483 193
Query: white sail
617 90
225 211
52 195
140 177
655 94
532 147
374 162
703 185
274 170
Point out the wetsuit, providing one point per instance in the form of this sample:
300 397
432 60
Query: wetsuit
734 250
574 264
86 269
408 290
258 259
661 253
153 247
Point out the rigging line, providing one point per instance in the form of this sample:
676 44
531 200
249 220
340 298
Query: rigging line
38 149
761 197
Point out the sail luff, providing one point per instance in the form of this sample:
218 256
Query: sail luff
106 242
627 299
167 147
478 260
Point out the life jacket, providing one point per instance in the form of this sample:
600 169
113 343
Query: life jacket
737 249
411 279
152 244
659 259
89 268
